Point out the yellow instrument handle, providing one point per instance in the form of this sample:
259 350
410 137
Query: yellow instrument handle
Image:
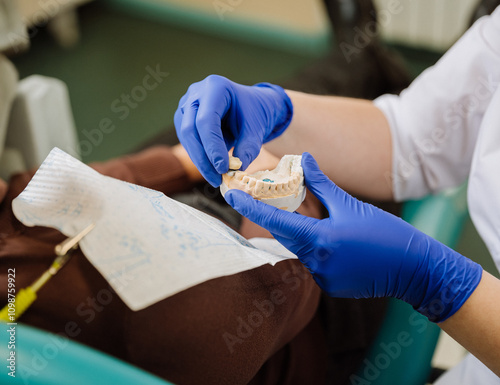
23 300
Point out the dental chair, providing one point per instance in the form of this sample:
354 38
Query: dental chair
401 353
43 358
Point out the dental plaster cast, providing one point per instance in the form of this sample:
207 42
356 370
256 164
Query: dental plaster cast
282 187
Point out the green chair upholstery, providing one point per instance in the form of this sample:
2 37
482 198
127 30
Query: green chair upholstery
44 358
403 349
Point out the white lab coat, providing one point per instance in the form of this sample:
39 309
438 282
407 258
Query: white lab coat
446 128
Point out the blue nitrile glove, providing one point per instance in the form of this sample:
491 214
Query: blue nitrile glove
361 251
217 114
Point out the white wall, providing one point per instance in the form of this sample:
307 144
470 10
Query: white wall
306 16
433 24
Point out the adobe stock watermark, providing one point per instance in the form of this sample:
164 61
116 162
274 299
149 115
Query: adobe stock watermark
221 7
121 108
41 357
364 36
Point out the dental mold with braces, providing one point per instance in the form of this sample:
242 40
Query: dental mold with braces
282 187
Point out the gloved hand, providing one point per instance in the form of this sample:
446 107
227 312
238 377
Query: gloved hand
361 251
217 114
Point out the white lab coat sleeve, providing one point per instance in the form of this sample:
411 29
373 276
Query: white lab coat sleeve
483 194
469 372
434 122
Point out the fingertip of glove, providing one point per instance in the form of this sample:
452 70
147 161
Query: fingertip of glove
214 179
234 197
245 162
229 197
308 161
221 165
312 172
246 152
237 200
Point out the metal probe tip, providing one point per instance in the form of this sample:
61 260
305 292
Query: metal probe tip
66 245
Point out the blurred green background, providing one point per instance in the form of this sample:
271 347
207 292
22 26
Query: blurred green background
112 58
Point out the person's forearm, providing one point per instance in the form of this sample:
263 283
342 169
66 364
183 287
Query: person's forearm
476 325
350 138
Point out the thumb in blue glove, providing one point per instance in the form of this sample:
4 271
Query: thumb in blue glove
361 251
217 114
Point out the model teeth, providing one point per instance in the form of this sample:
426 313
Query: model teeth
284 185
234 163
